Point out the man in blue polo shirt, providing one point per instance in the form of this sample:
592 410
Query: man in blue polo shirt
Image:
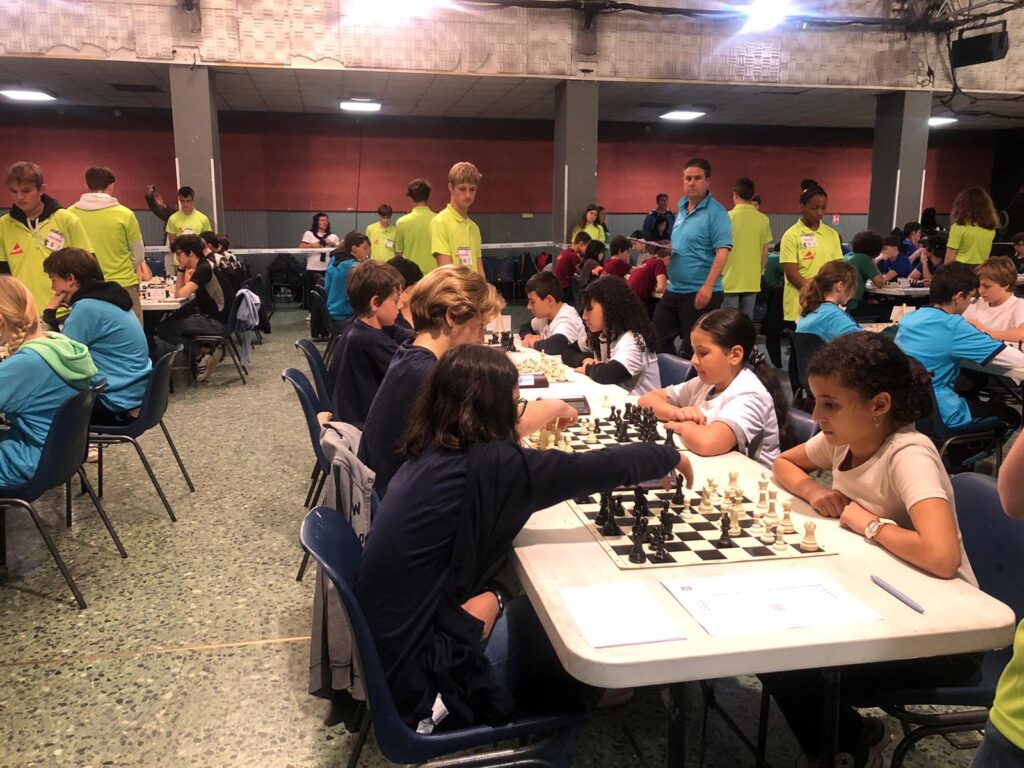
701 241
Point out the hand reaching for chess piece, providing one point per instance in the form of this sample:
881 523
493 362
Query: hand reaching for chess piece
684 468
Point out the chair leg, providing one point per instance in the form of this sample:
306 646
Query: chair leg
230 348
3 542
319 489
312 485
236 348
302 566
364 733
99 471
177 458
67 502
54 553
152 478
102 512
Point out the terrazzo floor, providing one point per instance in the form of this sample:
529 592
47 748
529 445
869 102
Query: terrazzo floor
194 650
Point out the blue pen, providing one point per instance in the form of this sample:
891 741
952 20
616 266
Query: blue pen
896 593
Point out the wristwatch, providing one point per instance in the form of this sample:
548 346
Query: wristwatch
872 529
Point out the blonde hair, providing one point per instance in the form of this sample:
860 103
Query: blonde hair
18 313
813 294
456 291
464 173
1000 270
24 173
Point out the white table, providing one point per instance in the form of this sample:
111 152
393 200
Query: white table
554 550
162 305
898 291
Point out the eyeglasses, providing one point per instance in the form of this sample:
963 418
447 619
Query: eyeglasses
521 407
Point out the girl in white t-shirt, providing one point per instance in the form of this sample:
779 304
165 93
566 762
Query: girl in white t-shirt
998 312
735 403
888 486
319 235
620 339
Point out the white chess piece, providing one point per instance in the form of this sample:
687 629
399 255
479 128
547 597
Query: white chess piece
780 543
757 528
771 518
762 499
734 480
808 543
705 505
787 519
768 537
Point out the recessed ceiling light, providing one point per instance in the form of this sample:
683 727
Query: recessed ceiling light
682 114
764 15
360 105
27 94
937 121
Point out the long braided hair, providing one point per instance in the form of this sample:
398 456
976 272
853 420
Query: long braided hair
19 315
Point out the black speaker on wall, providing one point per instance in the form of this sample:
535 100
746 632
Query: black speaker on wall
979 49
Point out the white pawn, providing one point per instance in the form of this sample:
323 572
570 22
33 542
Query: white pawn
808 543
757 528
705 505
734 479
734 523
780 543
768 537
762 499
787 519
771 518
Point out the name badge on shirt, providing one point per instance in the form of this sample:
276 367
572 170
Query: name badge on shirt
808 241
389 244
54 240
465 256
187 231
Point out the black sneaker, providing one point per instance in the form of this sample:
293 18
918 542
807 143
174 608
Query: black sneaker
868 749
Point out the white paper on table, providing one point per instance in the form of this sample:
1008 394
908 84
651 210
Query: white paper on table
765 602
619 614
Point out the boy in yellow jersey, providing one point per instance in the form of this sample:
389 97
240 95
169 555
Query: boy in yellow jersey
454 237
382 235
115 234
36 226
412 231
751 236
187 221
806 247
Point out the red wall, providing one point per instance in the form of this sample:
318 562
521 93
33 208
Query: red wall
312 162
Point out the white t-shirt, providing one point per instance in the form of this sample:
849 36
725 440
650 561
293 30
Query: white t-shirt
1008 316
745 406
642 365
317 262
906 469
566 322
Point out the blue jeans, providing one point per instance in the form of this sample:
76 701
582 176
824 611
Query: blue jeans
524 662
744 302
996 751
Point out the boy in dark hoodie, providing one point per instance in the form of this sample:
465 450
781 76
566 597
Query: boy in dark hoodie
101 318
42 372
36 226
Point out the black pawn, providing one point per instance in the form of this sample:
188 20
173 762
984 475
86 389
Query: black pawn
602 513
725 541
666 525
611 528
677 497
670 438
661 555
637 554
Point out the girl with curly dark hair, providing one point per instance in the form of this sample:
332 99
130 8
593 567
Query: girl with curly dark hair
735 402
974 222
620 338
889 486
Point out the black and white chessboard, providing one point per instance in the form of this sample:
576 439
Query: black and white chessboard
604 436
695 535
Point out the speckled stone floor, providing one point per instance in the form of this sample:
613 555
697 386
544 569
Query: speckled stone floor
194 650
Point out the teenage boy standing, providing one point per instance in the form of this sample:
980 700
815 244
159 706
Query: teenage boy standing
454 237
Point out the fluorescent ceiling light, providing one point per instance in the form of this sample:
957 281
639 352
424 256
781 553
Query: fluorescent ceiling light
937 121
27 94
360 105
682 114
764 15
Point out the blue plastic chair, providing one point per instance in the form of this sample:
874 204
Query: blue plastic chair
308 401
226 339
329 538
318 368
674 369
802 347
993 543
803 426
61 459
987 434
151 414
501 271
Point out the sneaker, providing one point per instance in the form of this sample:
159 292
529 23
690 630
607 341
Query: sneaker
93 455
868 749
203 367
218 355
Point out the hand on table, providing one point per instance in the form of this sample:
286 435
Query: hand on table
827 503
530 339
583 365
856 518
688 413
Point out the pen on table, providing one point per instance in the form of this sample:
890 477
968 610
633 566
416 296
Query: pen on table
897 594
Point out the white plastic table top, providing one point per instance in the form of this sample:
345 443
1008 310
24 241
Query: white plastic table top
554 551
901 290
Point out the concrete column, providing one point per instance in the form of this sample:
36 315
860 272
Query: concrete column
575 166
197 139
898 159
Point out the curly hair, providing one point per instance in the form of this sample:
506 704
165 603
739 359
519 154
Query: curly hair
623 312
869 364
974 206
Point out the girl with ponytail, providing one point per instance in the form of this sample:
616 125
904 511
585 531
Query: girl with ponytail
822 300
735 401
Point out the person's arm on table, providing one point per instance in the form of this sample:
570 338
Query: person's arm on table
612 372
541 412
712 439
791 471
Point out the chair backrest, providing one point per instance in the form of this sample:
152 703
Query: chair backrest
330 540
308 401
803 426
803 346
992 540
674 369
232 320
318 369
754 446
154 400
65 446
937 429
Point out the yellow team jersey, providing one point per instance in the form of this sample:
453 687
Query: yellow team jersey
810 250
412 238
382 241
194 224
973 244
751 232
596 232
24 248
1008 710
112 231
457 237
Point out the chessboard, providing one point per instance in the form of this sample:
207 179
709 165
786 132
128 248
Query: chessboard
633 425
676 528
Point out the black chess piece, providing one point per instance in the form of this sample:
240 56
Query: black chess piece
661 555
640 528
666 525
724 540
637 554
611 528
654 537
602 512
670 438
677 497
